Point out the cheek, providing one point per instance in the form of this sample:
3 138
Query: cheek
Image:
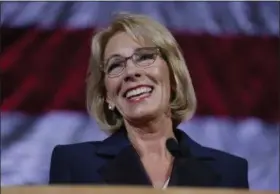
163 75
166 82
160 74
110 86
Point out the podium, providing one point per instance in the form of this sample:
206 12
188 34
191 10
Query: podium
120 190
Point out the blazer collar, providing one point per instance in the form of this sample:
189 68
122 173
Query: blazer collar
114 144
126 168
119 140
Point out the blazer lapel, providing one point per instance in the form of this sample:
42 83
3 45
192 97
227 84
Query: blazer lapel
194 170
124 166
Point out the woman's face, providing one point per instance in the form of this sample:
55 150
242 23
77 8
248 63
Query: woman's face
140 93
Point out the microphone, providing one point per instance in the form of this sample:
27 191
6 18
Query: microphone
180 151
175 149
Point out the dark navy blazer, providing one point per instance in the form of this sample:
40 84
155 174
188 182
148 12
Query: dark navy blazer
114 161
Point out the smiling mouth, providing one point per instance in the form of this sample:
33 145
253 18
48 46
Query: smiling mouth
139 92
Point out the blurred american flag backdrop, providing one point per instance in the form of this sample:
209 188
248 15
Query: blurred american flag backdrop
231 48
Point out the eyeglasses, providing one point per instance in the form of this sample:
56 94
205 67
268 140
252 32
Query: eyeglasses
142 57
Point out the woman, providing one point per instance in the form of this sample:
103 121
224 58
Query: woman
139 89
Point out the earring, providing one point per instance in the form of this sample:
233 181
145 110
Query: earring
111 107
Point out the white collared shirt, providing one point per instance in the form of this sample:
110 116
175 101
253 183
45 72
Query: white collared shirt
166 183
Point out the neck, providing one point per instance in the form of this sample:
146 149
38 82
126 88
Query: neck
150 139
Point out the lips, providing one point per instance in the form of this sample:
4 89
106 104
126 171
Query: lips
137 91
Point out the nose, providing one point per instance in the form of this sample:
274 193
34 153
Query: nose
131 71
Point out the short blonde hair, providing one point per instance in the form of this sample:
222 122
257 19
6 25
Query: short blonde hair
141 28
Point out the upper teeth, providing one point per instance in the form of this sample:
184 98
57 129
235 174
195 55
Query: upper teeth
138 91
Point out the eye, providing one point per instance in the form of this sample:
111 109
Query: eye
114 66
145 56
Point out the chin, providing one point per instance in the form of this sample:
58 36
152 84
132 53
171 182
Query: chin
139 116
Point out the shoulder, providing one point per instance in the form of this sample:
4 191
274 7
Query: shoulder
232 168
71 161
228 160
92 149
224 156
76 149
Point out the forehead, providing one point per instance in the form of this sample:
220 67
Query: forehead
123 44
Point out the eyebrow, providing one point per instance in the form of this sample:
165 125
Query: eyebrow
118 55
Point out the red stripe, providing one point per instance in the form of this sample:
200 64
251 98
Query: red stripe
234 75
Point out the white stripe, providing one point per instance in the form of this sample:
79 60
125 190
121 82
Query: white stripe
211 17
166 183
